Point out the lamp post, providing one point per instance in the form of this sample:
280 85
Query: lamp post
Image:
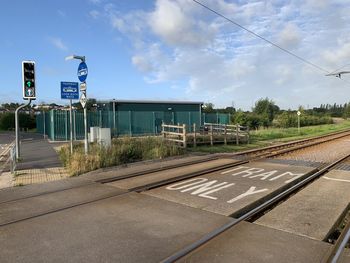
82 76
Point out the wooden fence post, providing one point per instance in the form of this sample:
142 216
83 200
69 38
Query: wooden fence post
194 135
225 134
211 135
237 135
163 133
184 135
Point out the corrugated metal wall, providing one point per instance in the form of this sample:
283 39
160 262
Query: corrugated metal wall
55 123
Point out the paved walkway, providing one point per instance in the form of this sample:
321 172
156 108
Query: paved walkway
39 163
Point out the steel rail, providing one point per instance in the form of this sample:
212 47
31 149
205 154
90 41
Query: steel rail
186 176
340 244
205 239
153 170
262 155
287 144
140 189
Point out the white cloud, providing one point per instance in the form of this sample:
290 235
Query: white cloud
289 36
58 43
141 63
178 41
94 14
95 2
171 23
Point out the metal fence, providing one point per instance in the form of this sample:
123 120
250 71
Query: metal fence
55 123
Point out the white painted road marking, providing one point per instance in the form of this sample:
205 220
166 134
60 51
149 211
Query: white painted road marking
259 172
228 191
250 191
202 187
335 179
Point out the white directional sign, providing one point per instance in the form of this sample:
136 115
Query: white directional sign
83 99
83 86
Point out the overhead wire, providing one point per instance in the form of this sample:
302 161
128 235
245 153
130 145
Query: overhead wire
262 38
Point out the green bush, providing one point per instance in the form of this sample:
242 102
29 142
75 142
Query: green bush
289 119
7 121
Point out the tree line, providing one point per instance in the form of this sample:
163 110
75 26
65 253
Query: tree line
266 113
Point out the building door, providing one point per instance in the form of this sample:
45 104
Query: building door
168 117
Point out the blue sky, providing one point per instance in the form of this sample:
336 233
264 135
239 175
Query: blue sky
177 50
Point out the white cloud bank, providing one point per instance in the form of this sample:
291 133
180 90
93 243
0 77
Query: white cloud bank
178 41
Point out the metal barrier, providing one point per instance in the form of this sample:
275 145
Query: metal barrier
13 159
55 123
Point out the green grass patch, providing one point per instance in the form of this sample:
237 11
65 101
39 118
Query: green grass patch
266 137
122 151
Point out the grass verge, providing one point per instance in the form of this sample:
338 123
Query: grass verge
123 150
266 137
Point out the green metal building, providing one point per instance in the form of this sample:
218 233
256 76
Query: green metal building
128 117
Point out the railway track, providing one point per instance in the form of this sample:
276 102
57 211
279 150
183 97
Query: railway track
247 156
261 209
142 182
244 156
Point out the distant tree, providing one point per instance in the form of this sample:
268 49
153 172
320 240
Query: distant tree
346 111
7 121
10 106
89 104
240 118
208 107
267 109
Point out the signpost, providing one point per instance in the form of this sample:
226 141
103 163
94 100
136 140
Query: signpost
82 73
83 101
298 113
70 91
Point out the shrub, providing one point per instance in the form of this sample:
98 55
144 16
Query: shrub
7 121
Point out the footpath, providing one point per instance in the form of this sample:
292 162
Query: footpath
39 163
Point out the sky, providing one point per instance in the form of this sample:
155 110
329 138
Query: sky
178 50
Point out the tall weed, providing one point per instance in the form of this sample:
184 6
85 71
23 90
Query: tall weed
123 150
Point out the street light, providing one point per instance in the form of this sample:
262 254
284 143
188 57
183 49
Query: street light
82 58
338 74
83 91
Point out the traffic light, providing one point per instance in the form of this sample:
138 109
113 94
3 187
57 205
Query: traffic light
28 76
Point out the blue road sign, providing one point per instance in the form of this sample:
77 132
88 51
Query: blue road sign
69 90
82 71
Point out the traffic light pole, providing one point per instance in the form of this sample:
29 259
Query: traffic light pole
18 155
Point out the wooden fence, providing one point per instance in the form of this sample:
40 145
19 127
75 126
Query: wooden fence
175 133
209 133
